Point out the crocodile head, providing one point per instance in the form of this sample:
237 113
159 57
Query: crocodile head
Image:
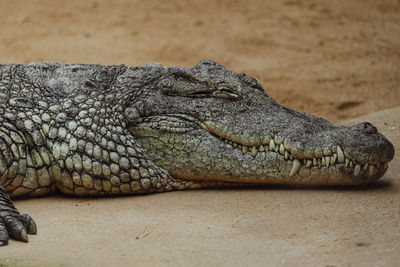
207 122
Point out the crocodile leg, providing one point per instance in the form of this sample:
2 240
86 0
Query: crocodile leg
12 223
22 172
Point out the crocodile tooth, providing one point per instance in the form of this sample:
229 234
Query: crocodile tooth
340 155
323 161
371 170
365 166
271 145
286 155
290 157
319 163
277 148
357 170
351 164
261 148
254 151
309 163
295 168
235 145
282 149
327 161
347 162
333 158
314 162
245 149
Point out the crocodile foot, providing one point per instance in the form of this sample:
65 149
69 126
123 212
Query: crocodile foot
13 224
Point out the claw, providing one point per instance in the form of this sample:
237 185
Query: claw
16 228
22 235
29 223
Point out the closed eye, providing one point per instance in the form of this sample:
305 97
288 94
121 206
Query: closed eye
225 92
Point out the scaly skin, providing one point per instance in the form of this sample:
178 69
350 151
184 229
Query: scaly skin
107 130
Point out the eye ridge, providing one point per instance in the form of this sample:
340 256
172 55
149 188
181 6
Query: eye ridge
251 81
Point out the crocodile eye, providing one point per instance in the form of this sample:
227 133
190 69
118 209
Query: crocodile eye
225 92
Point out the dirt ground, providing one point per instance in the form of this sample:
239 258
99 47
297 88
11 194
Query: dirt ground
335 59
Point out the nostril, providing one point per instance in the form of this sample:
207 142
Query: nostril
369 128
365 127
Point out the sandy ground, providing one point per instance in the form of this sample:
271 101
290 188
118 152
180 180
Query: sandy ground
336 59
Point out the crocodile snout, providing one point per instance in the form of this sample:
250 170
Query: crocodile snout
365 144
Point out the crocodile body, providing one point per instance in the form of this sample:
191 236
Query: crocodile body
109 130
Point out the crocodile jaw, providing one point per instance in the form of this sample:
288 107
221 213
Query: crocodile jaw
190 152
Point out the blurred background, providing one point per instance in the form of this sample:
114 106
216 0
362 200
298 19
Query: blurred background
336 59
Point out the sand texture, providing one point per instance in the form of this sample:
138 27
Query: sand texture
334 59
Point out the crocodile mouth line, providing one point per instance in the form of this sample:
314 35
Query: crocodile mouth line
328 157
336 157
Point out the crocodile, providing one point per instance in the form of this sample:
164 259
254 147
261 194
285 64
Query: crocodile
93 130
